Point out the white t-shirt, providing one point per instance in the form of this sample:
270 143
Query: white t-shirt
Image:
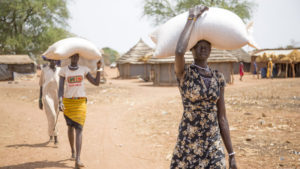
74 81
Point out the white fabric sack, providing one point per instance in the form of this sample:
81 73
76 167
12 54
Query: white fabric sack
221 27
67 47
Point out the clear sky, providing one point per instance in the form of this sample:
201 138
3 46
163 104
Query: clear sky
119 23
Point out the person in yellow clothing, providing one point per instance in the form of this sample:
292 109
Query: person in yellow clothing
270 68
72 101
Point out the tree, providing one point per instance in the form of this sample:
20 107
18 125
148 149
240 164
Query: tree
293 44
110 55
30 26
162 10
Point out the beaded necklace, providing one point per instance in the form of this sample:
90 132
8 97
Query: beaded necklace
205 69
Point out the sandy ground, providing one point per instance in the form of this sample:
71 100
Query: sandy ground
133 125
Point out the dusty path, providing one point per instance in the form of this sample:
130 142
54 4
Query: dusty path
133 125
109 139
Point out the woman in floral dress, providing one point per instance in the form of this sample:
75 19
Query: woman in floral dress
204 121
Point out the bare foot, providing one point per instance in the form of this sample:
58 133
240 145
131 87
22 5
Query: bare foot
79 165
51 139
73 156
55 140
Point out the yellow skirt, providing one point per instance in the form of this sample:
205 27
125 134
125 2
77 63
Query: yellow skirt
75 111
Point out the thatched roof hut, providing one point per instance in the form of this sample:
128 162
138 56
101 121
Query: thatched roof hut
131 64
15 63
287 61
163 68
15 59
242 56
278 56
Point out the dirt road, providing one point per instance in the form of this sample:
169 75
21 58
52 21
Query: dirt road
133 125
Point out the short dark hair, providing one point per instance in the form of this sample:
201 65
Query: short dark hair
75 54
200 42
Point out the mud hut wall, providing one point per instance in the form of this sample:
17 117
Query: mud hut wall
22 68
122 70
297 69
164 74
224 68
129 71
5 73
139 70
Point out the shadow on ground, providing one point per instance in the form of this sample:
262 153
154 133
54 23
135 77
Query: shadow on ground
39 164
45 144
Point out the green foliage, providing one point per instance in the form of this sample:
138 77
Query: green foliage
162 10
159 10
110 55
30 26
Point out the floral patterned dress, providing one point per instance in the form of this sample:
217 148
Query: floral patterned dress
199 143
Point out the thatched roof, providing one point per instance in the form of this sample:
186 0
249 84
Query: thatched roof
136 54
216 56
278 56
241 55
15 59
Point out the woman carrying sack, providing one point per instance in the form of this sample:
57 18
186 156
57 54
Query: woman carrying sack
72 101
204 120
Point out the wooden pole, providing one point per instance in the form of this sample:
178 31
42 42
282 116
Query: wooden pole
158 75
145 72
293 69
170 76
286 70
231 72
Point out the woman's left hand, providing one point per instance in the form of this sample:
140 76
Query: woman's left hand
232 164
99 63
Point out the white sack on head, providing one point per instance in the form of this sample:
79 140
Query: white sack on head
67 47
222 28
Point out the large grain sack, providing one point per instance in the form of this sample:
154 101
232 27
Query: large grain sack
67 47
222 28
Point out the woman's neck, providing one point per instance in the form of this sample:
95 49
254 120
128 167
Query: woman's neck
201 63
73 66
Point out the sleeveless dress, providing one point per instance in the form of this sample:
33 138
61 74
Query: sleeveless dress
199 143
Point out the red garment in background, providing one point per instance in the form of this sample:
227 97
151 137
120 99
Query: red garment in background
241 70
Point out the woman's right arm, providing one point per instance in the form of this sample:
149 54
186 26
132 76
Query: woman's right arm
184 38
61 92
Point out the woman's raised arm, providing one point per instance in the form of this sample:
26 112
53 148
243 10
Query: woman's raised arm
184 38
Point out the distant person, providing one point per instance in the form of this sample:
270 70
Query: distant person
49 97
241 71
255 68
204 120
72 101
270 69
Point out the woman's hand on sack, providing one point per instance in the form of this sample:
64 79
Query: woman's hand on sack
197 11
99 63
